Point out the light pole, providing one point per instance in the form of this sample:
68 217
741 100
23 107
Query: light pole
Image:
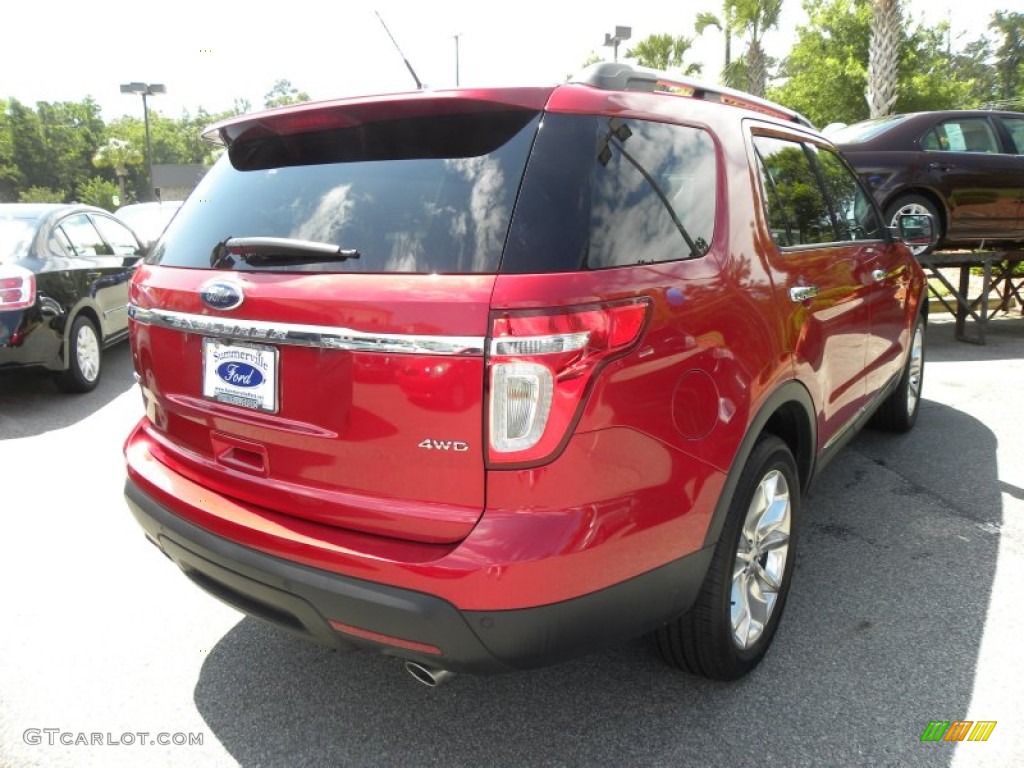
457 58
146 89
621 33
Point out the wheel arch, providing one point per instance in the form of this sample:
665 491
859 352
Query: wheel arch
926 192
787 413
88 311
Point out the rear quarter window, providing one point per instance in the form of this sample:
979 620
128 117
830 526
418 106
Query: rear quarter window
604 192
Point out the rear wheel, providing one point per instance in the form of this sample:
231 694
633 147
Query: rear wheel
899 411
730 626
83 371
915 204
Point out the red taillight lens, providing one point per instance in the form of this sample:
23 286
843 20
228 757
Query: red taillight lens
541 364
17 288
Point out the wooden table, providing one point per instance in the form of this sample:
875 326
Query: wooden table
998 287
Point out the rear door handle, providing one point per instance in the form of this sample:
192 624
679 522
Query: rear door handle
802 293
941 166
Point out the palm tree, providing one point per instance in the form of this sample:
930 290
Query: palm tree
753 18
118 154
724 24
663 52
749 19
883 56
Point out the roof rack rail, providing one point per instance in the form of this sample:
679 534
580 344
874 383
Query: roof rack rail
616 76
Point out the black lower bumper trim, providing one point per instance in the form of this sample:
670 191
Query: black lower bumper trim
302 600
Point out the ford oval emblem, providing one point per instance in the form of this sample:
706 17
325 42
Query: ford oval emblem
221 294
240 374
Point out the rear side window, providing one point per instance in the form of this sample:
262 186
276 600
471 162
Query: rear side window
605 192
15 237
416 195
118 236
1016 128
84 239
968 134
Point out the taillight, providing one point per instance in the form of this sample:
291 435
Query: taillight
541 366
17 288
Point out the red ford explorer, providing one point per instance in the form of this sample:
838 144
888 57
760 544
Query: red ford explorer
485 379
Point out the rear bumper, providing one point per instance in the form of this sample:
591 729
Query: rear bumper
27 342
347 612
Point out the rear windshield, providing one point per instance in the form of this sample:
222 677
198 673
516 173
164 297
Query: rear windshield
418 195
864 130
15 237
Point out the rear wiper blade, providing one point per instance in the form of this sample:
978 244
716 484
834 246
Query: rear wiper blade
281 251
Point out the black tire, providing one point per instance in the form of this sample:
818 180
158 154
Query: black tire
84 358
898 413
703 641
915 204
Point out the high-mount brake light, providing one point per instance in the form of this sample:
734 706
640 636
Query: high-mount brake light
17 288
541 365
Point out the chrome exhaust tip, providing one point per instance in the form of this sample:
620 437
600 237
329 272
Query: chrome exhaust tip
429 676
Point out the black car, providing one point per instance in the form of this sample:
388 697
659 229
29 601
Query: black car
64 272
965 168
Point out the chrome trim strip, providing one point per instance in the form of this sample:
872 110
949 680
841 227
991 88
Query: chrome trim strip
321 336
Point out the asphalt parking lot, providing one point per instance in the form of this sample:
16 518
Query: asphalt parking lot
904 610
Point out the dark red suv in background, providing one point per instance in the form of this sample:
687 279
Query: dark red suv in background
484 379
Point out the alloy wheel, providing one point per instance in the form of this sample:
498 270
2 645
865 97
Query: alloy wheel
760 563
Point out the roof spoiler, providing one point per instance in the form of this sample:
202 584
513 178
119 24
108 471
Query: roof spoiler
615 76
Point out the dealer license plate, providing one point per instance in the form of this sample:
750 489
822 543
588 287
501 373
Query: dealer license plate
240 374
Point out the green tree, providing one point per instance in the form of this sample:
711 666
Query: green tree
99 192
28 150
118 155
930 77
283 93
1009 57
754 18
72 132
734 73
42 195
664 52
749 20
826 72
8 167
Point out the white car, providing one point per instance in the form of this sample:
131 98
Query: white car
148 220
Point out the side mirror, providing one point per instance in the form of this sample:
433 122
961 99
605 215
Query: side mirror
917 230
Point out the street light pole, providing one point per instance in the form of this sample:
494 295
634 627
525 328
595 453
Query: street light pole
621 34
457 60
144 90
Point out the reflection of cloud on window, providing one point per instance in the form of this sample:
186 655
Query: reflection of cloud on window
488 207
331 213
632 209
406 253
459 227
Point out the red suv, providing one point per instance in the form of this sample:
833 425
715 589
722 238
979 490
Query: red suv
485 379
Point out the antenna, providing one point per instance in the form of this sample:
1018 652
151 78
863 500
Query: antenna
419 85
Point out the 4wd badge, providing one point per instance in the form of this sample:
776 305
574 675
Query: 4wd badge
456 446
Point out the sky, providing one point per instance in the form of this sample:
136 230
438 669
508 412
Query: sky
209 54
